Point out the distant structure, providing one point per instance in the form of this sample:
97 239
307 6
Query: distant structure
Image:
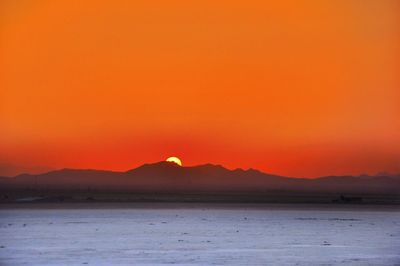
344 199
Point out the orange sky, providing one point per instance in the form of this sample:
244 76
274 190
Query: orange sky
299 88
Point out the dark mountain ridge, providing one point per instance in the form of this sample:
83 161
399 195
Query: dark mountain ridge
169 177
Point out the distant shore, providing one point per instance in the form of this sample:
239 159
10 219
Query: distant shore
200 206
289 197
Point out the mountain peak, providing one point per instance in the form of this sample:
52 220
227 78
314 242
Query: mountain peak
157 166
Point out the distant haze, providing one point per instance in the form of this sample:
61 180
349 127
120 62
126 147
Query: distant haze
13 170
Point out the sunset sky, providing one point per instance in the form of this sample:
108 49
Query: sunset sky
297 88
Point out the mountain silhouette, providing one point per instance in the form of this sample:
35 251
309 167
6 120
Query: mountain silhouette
169 177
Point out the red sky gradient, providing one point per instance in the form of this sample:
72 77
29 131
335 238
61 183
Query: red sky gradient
298 88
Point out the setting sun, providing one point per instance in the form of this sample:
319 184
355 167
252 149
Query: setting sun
174 160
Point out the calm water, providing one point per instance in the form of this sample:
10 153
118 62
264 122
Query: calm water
188 234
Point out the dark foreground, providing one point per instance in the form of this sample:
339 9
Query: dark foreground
198 234
273 196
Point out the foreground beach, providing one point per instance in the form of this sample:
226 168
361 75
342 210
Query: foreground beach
199 234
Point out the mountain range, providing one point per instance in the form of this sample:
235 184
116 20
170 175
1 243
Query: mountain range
170 177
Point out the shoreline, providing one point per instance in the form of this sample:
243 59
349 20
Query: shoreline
200 205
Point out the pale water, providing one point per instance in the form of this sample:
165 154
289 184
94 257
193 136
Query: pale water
193 234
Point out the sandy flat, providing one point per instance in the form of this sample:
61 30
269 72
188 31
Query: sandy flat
189 234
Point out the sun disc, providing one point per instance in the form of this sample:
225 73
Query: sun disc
174 160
